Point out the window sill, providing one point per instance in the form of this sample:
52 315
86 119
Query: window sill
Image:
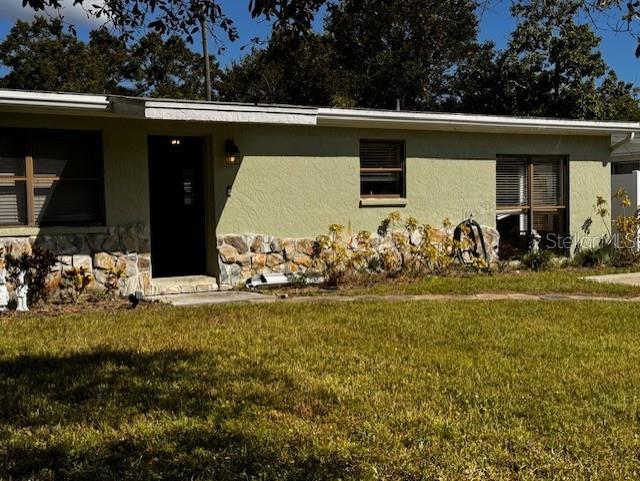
383 202
24 231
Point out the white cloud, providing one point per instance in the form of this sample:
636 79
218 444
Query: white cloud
75 14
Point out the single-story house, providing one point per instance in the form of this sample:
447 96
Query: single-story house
171 188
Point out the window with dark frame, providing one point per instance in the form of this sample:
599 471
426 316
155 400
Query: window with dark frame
382 169
531 193
627 167
51 177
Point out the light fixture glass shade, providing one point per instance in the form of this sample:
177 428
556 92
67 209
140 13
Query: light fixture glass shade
232 153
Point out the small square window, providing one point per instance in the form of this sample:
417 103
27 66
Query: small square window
382 169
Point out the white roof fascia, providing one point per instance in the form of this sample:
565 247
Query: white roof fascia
467 123
235 113
160 109
52 100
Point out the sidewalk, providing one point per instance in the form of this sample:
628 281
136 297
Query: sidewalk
629 278
234 297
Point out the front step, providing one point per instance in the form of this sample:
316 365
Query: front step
183 285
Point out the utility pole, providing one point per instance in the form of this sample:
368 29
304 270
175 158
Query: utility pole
205 53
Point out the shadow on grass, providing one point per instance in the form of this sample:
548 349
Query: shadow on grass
113 414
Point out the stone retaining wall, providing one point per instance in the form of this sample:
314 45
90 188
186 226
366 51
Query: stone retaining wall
126 248
245 255
241 256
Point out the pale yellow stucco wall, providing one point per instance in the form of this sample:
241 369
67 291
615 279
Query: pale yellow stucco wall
295 181
586 181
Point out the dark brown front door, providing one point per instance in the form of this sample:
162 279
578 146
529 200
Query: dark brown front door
176 188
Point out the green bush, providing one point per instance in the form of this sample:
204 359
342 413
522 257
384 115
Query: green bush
538 261
75 282
37 267
595 257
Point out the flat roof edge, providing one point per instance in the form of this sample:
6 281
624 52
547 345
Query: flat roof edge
54 100
199 111
466 122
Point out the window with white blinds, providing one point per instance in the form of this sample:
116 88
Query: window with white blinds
512 183
50 177
532 188
382 166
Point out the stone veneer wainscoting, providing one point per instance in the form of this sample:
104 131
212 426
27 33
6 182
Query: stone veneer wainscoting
241 256
124 247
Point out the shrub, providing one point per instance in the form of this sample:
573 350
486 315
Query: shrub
537 261
627 226
404 248
37 267
332 255
112 281
75 282
595 257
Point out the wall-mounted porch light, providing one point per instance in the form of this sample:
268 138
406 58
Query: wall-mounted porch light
231 153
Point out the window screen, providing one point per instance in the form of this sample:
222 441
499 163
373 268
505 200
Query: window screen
382 168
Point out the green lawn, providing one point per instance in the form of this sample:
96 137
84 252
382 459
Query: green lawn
432 390
560 281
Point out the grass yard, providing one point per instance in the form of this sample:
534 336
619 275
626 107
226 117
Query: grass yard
560 281
432 390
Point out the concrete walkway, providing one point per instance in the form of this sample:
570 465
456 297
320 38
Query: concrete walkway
629 278
216 297
230 297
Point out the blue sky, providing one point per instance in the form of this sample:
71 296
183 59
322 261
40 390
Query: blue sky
496 25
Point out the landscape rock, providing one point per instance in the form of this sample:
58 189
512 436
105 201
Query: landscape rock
244 260
276 245
228 254
144 262
306 246
302 260
274 260
289 248
238 242
259 261
82 262
103 260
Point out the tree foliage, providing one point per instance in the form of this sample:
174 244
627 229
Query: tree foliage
426 54
403 50
185 17
373 53
167 68
552 67
41 55
286 71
